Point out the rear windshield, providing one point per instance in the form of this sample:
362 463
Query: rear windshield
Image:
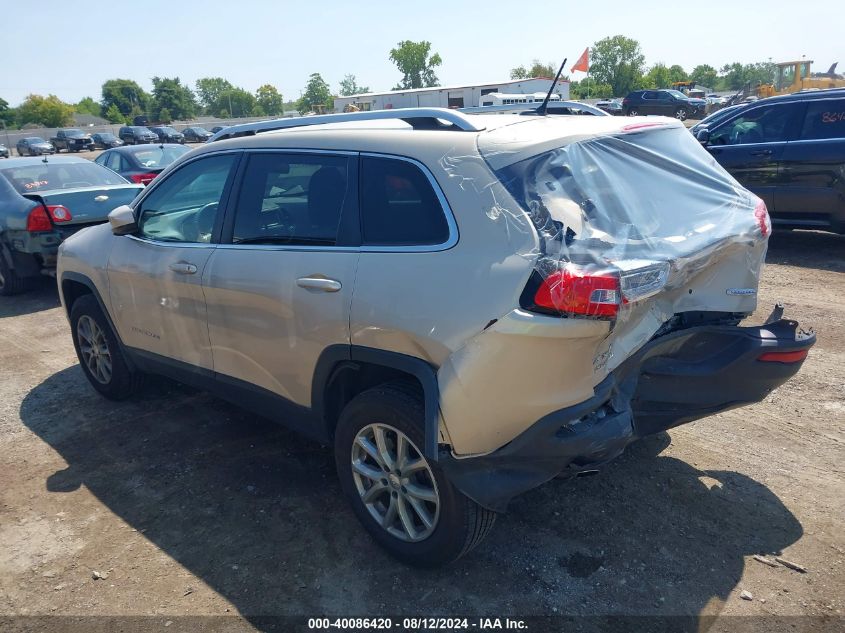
156 157
653 192
48 176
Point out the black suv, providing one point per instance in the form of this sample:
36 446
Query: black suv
666 102
135 134
167 134
790 151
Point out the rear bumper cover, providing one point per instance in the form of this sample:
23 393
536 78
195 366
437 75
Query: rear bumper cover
674 379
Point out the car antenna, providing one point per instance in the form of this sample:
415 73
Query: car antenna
44 160
543 106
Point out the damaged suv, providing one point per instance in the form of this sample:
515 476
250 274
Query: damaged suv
465 306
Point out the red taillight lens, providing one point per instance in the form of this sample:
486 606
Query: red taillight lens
783 357
59 213
578 291
762 215
142 179
38 220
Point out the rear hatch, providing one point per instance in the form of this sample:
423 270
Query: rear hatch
637 225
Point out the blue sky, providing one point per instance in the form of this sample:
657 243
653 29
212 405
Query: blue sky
256 42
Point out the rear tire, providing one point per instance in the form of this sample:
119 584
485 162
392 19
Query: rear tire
99 352
633 112
681 114
10 282
417 515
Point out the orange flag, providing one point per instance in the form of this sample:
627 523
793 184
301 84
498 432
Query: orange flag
583 63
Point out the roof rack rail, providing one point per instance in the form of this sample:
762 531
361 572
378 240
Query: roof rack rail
418 118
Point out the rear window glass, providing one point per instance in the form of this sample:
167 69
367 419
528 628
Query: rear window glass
824 119
49 176
156 157
399 206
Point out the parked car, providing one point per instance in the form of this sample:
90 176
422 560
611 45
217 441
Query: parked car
137 134
34 146
4 151
105 140
666 102
456 345
141 121
167 134
790 151
72 140
217 128
611 106
141 163
42 202
196 134
712 119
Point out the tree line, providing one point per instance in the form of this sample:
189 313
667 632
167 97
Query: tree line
617 66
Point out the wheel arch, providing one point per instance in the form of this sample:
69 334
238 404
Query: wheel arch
344 371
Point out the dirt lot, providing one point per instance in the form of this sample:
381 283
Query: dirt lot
188 506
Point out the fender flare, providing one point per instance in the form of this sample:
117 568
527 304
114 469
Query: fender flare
335 355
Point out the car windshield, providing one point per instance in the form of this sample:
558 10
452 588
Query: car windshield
159 157
48 176
107 137
35 139
677 93
166 130
74 133
200 130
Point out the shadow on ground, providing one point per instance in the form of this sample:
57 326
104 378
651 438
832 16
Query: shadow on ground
808 249
43 296
256 513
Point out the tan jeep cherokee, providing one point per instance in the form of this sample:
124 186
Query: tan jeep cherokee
466 306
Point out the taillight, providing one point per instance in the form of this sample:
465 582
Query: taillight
762 215
38 220
59 213
783 357
142 179
575 290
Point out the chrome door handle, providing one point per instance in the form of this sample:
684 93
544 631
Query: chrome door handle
183 268
319 283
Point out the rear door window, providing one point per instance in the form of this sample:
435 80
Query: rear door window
766 124
399 206
291 199
824 119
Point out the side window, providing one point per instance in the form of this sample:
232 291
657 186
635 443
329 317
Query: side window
183 208
824 119
767 124
101 159
113 161
399 206
291 199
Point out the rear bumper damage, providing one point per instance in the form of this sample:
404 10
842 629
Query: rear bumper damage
674 379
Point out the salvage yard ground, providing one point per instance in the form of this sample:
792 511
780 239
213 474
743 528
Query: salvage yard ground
183 504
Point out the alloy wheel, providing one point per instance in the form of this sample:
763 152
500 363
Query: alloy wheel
395 482
681 114
94 349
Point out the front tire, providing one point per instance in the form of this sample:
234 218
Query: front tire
99 352
681 114
403 500
633 112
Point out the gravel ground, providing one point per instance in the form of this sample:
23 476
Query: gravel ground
185 505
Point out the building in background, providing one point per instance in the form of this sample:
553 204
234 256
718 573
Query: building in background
449 96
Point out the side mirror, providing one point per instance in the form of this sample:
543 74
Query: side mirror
122 220
703 136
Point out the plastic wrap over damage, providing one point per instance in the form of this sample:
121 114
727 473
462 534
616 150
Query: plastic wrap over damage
631 229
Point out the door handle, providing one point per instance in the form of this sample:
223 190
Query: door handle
183 268
319 283
762 152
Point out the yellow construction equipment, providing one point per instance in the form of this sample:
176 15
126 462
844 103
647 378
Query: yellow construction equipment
795 76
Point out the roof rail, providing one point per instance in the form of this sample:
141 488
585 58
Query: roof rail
418 118
554 107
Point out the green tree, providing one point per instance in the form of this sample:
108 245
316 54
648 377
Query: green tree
270 101
677 73
209 90
588 88
537 69
704 75
316 92
349 86
416 65
125 94
618 62
236 102
658 76
88 106
7 115
114 115
169 94
48 111
257 110
164 116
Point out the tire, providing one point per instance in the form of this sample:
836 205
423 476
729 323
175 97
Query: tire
10 282
456 524
681 114
91 330
633 112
